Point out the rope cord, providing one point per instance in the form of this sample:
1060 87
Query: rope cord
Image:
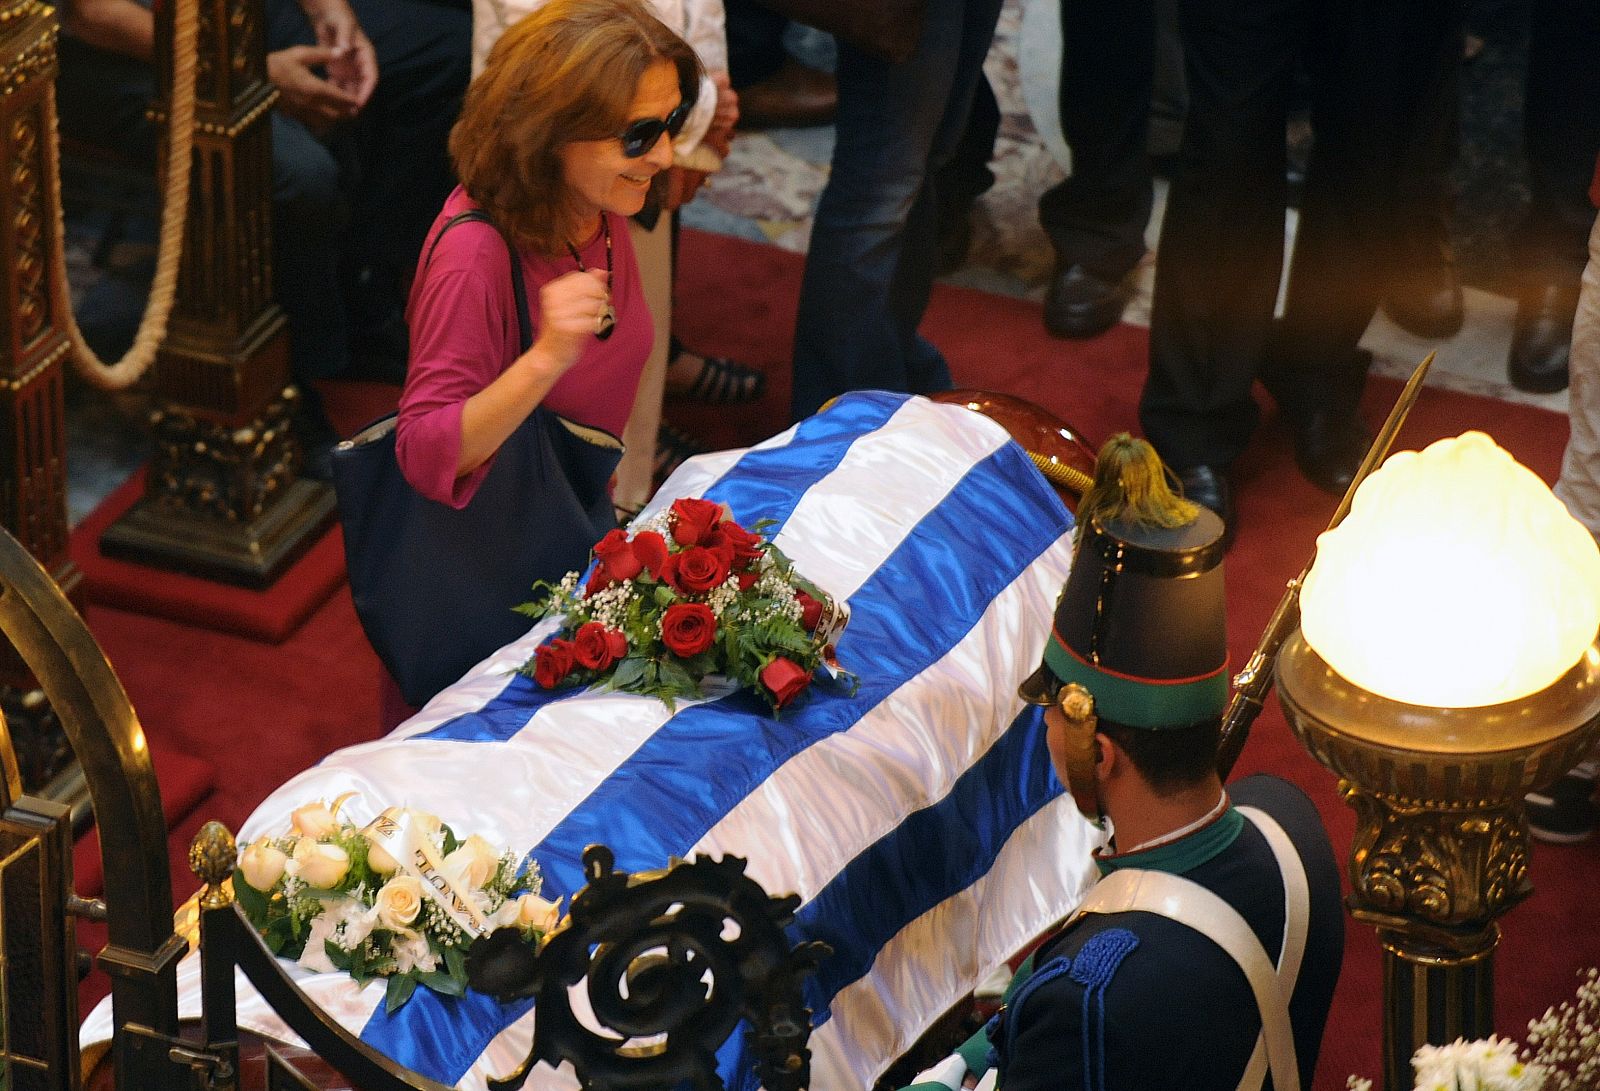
174 211
1059 473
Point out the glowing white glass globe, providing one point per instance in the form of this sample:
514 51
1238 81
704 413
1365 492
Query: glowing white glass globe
1457 580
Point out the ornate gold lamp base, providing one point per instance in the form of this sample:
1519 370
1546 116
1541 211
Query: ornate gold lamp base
1441 842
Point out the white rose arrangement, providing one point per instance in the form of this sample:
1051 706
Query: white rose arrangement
1562 1053
330 896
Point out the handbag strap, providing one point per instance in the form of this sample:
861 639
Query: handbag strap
519 287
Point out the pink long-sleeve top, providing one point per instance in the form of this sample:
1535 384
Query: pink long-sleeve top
462 316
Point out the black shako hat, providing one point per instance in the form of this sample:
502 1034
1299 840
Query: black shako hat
1141 624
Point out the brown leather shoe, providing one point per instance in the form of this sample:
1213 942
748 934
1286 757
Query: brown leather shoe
793 97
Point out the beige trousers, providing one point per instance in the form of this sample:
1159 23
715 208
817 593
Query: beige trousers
1579 484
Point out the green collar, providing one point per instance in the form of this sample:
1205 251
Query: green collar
1183 855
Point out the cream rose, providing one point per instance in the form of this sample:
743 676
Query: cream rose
262 864
317 864
536 913
399 902
314 820
379 860
473 863
428 823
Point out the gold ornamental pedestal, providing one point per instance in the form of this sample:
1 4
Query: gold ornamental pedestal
223 494
1441 843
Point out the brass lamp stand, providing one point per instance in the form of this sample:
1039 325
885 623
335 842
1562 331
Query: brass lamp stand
1441 843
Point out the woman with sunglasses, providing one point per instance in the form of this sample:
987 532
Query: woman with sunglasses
560 140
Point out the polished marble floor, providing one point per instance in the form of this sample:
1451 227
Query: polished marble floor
769 186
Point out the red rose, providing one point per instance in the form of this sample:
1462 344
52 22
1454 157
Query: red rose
810 610
651 550
746 546
747 579
785 678
688 628
693 520
598 579
595 647
552 663
697 570
615 552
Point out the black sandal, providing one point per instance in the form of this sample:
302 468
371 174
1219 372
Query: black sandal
673 448
720 381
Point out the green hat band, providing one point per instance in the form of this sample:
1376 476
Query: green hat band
1152 703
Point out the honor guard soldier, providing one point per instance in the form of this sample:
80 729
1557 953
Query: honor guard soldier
1206 955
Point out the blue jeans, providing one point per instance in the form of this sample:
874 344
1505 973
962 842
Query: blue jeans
871 263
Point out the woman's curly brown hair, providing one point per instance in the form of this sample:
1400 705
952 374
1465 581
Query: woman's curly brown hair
566 72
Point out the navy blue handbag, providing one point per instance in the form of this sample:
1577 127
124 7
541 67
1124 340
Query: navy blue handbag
433 585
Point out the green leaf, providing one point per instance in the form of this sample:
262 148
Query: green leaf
672 675
398 992
443 983
629 672
664 595
455 963
337 955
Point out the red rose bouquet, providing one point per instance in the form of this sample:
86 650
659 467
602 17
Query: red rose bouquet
688 593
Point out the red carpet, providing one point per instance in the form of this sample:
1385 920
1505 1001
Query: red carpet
261 713
269 615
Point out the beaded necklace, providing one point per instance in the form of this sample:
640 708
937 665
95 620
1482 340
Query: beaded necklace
606 321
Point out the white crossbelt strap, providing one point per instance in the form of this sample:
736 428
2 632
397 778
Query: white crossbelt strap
1190 904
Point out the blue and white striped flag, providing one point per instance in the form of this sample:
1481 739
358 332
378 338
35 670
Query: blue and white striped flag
919 820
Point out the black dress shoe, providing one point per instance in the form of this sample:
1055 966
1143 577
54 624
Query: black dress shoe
1080 304
1208 486
1542 340
1425 298
1329 447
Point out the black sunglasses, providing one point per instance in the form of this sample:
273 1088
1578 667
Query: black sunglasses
640 136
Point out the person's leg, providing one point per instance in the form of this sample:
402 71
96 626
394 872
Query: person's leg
401 143
861 286
1221 249
1096 217
755 42
926 370
309 215
1578 487
1561 136
1423 293
1380 74
101 98
966 177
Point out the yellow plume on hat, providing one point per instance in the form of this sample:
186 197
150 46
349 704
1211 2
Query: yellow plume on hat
1133 485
